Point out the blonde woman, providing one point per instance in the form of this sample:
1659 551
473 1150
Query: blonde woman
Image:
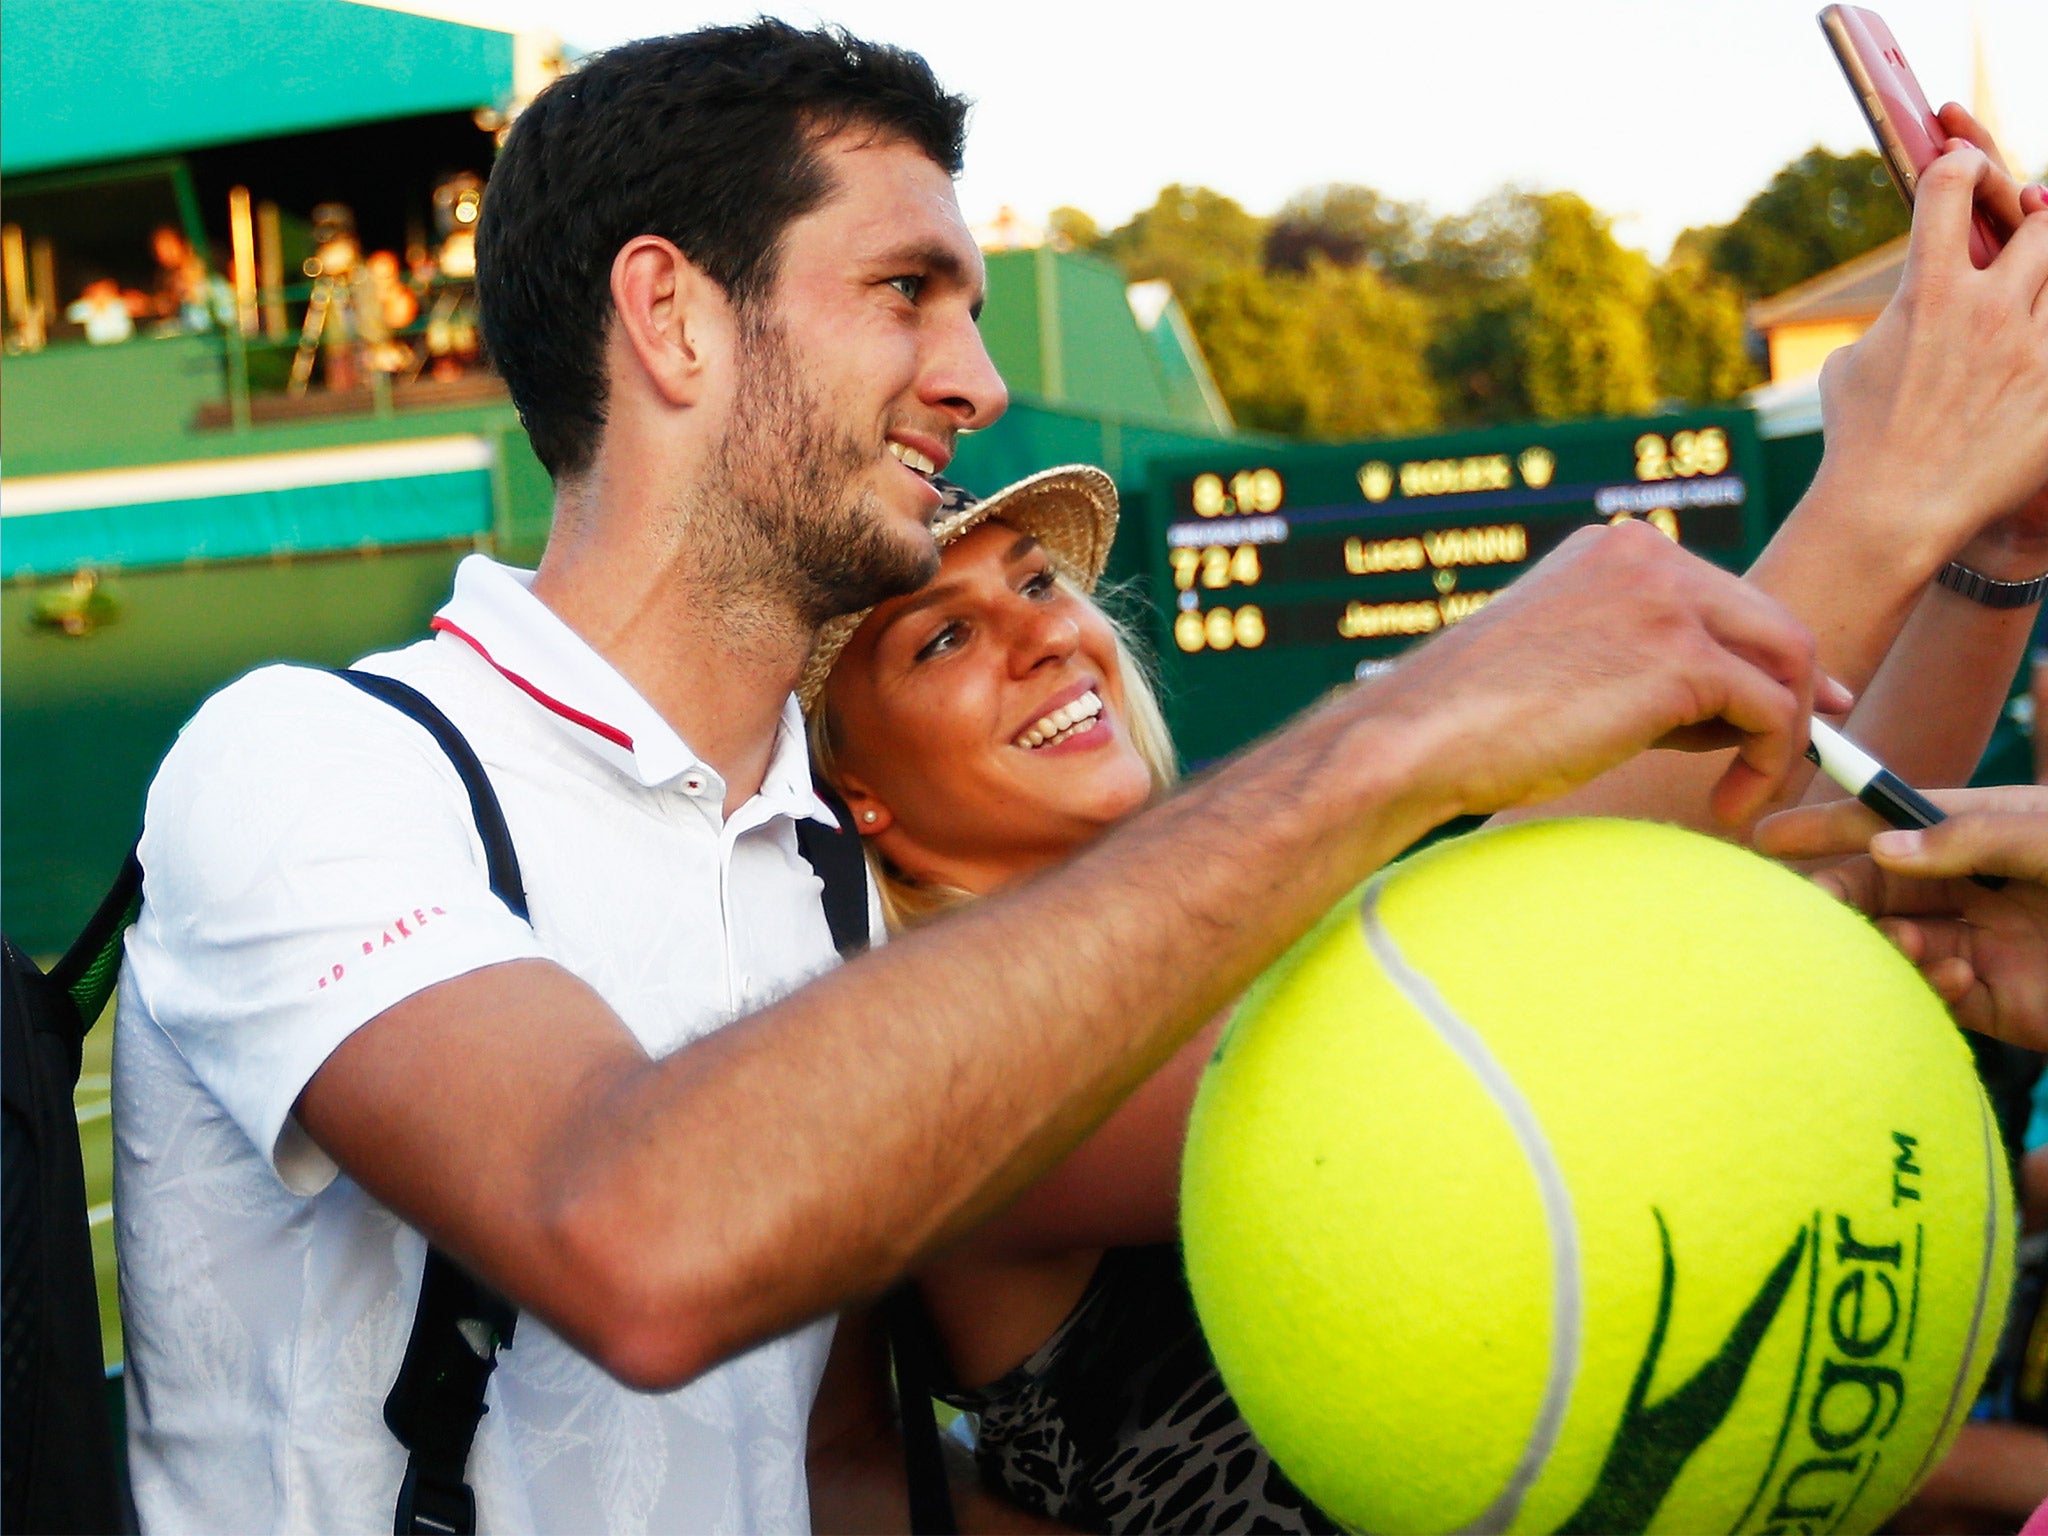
982 729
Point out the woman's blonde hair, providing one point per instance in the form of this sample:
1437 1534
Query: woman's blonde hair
907 902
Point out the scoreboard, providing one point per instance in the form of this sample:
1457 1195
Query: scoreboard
1278 573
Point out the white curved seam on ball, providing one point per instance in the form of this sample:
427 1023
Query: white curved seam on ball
1993 1159
1567 1300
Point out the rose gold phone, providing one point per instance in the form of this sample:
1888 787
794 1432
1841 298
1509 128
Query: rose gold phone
1909 136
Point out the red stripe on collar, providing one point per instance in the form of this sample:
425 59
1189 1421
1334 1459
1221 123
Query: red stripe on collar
610 733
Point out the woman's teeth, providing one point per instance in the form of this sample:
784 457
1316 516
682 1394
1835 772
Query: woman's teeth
913 458
1068 720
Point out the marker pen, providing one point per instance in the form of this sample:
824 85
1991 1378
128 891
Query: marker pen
1899 803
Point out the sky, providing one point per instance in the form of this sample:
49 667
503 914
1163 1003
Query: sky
1663 113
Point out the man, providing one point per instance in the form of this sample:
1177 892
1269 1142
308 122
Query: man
728 285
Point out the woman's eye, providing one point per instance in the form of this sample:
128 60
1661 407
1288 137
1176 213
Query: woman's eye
909 285
1039 585
945 640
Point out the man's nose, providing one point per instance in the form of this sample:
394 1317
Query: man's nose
961 379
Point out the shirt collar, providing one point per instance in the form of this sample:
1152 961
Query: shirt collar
494 612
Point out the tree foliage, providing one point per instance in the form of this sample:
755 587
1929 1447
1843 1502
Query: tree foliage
1347 226
1190 236
1698 338
1476 274
1586 345
1328 352
1069 229
1817 213
1349 313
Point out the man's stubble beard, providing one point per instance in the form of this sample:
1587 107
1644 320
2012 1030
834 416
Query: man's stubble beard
783 514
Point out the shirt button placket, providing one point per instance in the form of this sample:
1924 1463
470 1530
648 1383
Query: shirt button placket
738 988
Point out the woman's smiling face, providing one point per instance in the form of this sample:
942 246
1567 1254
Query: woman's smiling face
981 721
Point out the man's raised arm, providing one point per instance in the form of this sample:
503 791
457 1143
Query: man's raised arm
666 1214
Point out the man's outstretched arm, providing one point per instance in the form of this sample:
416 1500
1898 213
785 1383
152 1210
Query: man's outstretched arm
664 1215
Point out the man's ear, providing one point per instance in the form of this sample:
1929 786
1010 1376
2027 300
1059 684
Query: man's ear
671 316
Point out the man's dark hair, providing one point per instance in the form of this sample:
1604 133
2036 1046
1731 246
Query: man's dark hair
707 139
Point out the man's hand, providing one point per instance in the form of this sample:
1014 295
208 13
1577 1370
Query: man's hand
1985 952
1938 416
1616 641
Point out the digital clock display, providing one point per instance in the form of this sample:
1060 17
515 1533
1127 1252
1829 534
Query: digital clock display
1279 573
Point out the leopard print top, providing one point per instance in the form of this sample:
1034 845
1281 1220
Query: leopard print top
1120 1423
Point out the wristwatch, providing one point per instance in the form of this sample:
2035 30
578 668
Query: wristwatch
1989 591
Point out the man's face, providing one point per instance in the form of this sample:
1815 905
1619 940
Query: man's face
858 372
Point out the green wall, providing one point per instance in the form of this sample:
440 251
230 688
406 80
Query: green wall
73 408
1062 333
88 718
77 406
418 509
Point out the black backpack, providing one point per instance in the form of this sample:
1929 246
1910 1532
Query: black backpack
62 1473
58 1467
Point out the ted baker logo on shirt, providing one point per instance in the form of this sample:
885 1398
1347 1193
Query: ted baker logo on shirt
396 931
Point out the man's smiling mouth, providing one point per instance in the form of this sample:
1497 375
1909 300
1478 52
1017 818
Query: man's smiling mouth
911 457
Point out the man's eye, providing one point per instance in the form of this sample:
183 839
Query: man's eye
945 640
909 285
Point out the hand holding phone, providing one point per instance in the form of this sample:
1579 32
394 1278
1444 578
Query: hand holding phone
2005 199
1937 419
1910 135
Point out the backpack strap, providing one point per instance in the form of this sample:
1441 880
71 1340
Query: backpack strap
461 1323
91 967
918 1357
835 858
914 1348
500 861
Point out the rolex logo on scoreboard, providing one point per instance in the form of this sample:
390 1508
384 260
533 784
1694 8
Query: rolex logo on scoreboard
1376 480
1537 466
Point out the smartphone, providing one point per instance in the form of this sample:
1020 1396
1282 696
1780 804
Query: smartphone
1909 136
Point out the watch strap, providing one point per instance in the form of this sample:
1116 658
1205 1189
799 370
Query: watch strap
1990 591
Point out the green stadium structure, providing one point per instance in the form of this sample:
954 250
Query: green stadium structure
92 82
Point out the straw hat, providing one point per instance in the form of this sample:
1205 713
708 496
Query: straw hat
1070 510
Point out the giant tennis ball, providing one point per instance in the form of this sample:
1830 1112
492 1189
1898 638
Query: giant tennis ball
1596 1176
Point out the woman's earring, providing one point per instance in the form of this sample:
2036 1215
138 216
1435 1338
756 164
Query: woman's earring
868 816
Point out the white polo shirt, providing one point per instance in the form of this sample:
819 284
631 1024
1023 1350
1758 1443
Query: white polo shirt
310 860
